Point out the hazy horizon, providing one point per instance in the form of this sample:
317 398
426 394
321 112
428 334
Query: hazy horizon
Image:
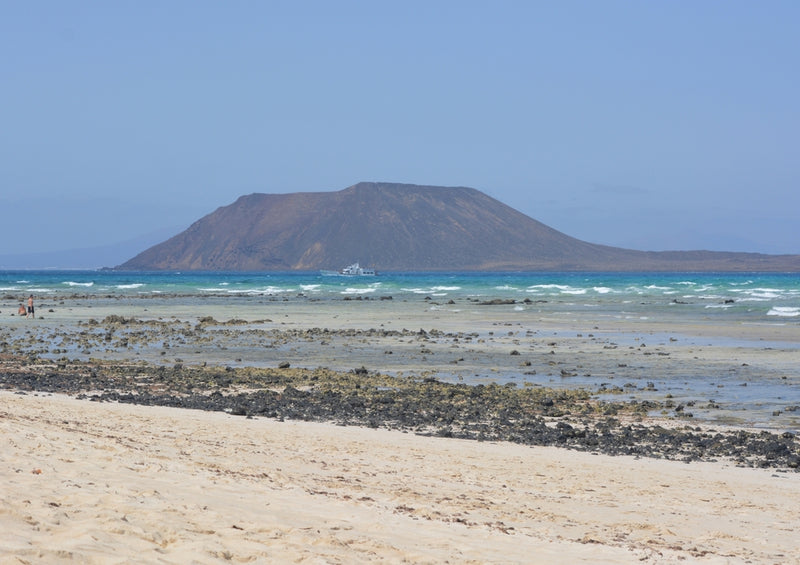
649 126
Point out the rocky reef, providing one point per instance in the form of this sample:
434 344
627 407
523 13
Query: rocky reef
574 419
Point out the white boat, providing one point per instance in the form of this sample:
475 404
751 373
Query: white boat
354 270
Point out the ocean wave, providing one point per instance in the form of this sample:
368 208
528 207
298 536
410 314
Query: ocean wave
358 290
247 291
784 311
555 289
766 295
129 286
441 290
73 283
575 291
415 290
265 290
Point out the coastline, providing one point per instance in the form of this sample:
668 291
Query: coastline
158 482
704 363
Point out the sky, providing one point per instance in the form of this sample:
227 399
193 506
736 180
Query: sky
638 124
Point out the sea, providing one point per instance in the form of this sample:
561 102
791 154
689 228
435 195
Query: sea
735 296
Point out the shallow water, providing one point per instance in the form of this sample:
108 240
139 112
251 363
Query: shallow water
654 305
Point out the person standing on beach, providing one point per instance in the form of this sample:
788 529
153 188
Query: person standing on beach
30 307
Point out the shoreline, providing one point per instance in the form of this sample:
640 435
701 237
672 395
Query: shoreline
249 478
534 416
704 365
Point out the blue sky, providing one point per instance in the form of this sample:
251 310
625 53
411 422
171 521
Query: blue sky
646 125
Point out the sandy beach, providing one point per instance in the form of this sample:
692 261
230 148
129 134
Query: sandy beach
89 482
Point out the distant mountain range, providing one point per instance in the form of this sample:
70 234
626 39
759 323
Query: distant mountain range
86 257
401 227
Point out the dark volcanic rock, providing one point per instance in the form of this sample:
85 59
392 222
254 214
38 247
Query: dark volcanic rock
531 416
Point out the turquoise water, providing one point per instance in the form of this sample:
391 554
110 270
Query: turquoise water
747 296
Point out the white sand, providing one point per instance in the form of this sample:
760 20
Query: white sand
134 484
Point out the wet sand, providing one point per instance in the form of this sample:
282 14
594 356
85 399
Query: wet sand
703 365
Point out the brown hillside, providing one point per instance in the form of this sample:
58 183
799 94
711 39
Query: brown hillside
397 227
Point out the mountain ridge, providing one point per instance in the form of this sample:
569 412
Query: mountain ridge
405 227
